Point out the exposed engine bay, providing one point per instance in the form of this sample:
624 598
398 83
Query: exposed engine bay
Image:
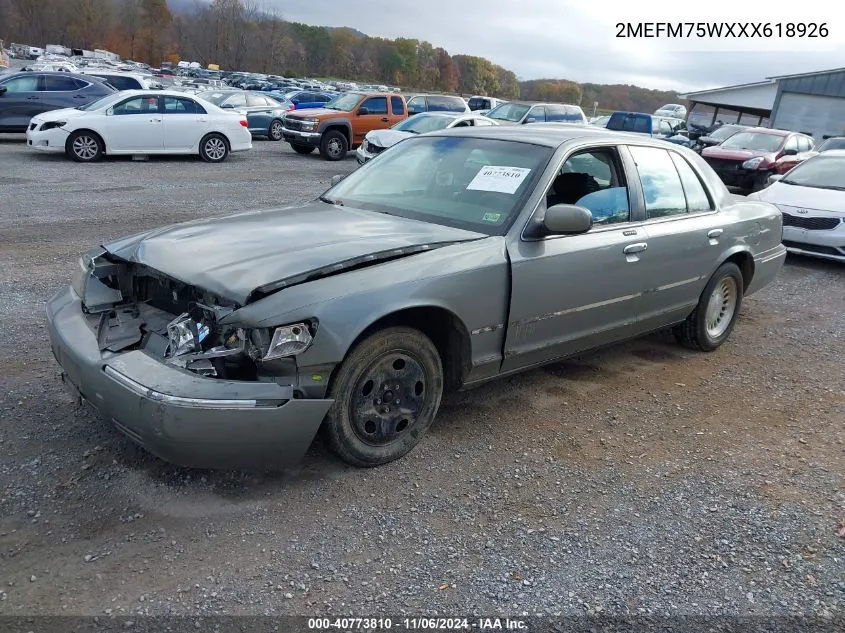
130 306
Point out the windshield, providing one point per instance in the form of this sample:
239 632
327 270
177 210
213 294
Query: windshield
833 143
345 102
471 183
102 102
512 112
820 172
724 132
756 141
422 123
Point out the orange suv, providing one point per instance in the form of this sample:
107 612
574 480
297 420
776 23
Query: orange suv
343 123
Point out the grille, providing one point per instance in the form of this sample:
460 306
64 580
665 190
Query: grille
721 164
810 223
374 149
292 123
815 248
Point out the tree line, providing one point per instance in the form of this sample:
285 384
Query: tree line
239 35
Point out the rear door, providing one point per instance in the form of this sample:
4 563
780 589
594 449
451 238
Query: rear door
63 91
134 125
376 118
185 122
20 102
683 231
397 109
259 112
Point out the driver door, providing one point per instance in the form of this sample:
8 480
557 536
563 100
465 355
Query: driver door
570 293
375 118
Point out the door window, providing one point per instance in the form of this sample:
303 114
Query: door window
791 143
122 83
29 83
416 105
375 105
178 105
665 128
137 105
593 179
538 113
697 199
664 194
256 100
58 83
397 105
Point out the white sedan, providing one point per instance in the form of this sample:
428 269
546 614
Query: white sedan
141 122
376 141
812 199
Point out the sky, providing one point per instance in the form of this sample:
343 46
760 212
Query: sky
575 39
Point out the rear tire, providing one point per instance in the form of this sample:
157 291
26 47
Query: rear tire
85 147
214 148
713 319
275 131
302 149
333 145
386 394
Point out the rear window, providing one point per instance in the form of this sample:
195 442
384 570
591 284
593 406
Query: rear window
479 103
555 112
122 83
622 122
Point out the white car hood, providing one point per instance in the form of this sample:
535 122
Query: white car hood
387 138
60 115
804 197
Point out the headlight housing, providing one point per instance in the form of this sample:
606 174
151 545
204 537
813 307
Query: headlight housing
289 340
49 125
309 124
185 335
752 163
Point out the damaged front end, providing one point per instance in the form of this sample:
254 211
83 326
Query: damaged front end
132 307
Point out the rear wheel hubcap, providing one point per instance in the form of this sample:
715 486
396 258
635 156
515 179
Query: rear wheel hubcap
721 307
215 148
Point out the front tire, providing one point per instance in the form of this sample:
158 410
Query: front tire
386 394
275 131
214 148
85 147
714 317
333 145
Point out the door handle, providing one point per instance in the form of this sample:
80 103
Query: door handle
385 119
635 248
33 98
155 120
715 233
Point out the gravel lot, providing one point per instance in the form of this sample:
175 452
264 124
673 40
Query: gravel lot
643 479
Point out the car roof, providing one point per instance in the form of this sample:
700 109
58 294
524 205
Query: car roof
549 134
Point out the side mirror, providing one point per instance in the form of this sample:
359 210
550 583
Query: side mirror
3 90
337 178
774 178
363 111
531 119
789 152
567 219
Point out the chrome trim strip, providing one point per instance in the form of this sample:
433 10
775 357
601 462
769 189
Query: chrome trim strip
179 401
590 306
683 282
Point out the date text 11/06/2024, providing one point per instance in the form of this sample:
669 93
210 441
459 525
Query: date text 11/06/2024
417 624
722 29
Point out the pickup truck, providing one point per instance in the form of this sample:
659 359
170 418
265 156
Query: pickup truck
342 123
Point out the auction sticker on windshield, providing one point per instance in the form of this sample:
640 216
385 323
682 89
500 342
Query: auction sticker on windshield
498 178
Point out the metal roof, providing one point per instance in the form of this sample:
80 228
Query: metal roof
815 72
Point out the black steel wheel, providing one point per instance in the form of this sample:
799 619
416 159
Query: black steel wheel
386 394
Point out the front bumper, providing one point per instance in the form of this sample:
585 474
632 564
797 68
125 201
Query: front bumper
362 156
175 414
48 141
828 244
743 180
307 139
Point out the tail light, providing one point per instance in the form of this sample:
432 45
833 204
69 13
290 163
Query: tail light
244 123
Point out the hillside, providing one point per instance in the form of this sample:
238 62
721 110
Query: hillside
608 97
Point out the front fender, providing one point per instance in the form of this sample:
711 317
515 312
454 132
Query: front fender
469 280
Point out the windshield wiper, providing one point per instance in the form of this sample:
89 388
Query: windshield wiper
328 200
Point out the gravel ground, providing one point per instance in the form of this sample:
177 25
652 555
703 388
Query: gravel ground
645 479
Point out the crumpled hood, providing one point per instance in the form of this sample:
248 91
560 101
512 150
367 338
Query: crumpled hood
59 115
235 255
808 198
387 138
